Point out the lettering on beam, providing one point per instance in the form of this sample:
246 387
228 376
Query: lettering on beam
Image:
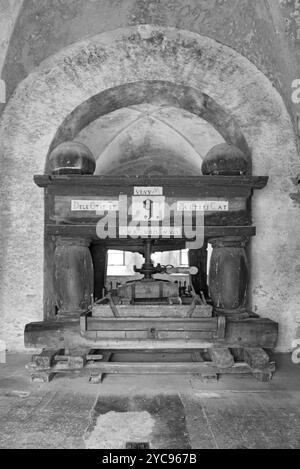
148 191
153 231
94 205
203 206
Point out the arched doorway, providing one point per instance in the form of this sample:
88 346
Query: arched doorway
63 82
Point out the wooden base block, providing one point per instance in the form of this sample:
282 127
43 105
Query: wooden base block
41 377
263 376
249 333
96 377
46 358
221 357
256 357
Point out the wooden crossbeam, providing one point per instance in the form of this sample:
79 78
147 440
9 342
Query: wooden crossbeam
168 368
100 362
141 324
252 332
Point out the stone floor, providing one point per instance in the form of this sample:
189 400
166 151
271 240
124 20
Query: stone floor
166 411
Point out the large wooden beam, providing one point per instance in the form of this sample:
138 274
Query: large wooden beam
89 231
252 332
256 182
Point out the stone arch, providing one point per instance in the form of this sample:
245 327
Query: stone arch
150 92
145 53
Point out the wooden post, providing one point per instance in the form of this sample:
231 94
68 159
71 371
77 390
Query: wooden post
228 276
99 256
198 258
73 276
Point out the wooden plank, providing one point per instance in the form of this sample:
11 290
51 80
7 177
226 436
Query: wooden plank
237 214
168 367
160 324
204 369
239 218
221 357
178 191
62 204
153 334
147 311
256 182
256 357
185 335
252 332
150 344
87 230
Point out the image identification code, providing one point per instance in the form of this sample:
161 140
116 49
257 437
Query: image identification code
150 458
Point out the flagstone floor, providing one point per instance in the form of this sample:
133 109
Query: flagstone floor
167 412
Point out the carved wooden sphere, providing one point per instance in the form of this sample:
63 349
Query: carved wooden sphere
72 158
225 159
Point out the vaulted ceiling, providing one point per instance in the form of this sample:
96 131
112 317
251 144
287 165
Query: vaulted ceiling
149 140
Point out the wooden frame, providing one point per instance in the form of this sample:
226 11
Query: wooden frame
228 232
226 224
98 363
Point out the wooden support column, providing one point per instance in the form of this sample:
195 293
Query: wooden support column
228 276
73 276
198 258
99 256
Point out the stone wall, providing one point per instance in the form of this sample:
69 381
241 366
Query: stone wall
9 10
49 69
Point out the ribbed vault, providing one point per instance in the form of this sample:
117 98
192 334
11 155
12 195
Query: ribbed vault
148 140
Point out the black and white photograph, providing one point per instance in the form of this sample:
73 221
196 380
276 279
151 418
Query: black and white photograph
149 228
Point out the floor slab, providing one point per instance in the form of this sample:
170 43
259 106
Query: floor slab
177 412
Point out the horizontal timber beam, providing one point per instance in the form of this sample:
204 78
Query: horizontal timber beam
250 332
90 231
256 182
